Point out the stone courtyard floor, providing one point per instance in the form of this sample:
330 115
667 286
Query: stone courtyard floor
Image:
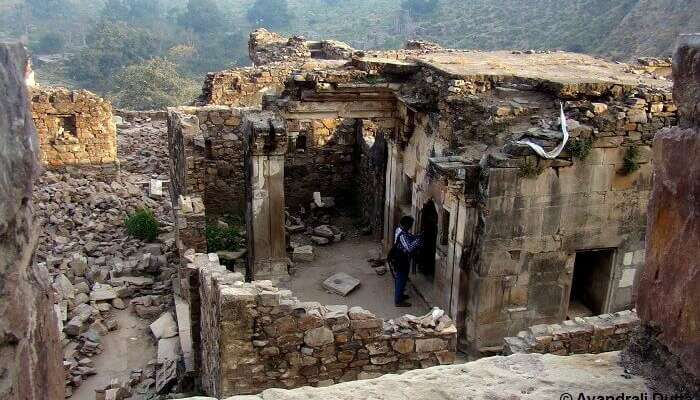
375 292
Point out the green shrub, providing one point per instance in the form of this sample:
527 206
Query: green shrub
580 148
142 224
631 160
529 169
221 238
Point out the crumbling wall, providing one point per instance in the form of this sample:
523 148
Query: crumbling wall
538 214
244 87
30 353
255 336
320 160
207 157
587 335
74 127
667 295
265 47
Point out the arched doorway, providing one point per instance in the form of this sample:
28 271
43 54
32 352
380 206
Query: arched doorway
429 229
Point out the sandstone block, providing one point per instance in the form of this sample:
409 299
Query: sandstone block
430 345
318 337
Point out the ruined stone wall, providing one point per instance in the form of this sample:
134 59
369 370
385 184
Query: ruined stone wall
206 148
587 335
538 214
74 127
244 87
30 353
320 160
255 336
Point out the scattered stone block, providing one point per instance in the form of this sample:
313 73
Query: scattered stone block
341 283
165 326
303 254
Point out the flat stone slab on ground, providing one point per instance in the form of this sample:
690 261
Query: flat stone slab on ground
103 292
341 283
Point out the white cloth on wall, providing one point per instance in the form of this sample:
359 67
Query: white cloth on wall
557 150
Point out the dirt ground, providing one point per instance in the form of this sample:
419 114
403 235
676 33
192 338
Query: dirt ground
130 347
375 293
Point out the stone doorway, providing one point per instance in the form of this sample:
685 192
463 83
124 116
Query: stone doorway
429 230
590 285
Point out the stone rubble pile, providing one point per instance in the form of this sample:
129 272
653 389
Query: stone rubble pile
95 268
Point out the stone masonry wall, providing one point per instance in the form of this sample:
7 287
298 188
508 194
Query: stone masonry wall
244 87
30 353
521 267
323 164
592 335
255 336
207 149
74 127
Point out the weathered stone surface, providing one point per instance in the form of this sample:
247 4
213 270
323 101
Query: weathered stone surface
303 254
164 327
537 377
318 337
668 296
341 283
30 353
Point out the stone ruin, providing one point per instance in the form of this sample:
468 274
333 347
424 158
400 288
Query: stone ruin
519 240
247 337
449 137
74 127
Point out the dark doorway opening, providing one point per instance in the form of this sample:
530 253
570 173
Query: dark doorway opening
591 282
429 227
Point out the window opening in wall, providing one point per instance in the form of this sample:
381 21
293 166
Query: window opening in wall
410 121
66 126
445 230
406 195
429 228
593 270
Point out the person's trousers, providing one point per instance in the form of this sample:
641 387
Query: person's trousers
400 284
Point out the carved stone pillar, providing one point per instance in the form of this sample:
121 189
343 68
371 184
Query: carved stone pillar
265 152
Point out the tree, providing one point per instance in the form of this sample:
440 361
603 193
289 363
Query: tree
110 47
202 16
49 43
269 13
132 11
154 84
420 7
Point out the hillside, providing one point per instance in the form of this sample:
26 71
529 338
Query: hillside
620 29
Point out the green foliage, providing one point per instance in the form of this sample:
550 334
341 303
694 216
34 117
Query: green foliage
202 16
111 46
154 84
225 238
529 169
49 43
630 162
269 13
142 224
420 7
580 148
132 11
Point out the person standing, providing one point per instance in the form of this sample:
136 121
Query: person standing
405 247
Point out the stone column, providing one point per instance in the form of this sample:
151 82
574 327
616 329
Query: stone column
265 152
668 294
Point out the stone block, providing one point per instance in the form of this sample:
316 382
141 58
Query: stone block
341 283
430 345
318 337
